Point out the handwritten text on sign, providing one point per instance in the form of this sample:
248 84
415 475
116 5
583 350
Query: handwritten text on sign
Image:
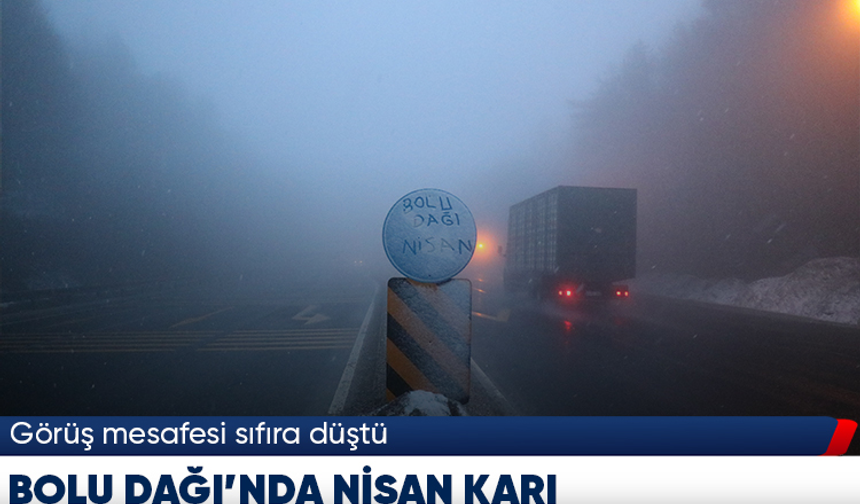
426 214
429 235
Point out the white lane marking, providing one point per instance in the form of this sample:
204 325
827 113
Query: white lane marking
198 319
494 393
339 400
303 339
308 318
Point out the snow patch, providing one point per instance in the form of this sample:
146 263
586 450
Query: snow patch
421 403
824 289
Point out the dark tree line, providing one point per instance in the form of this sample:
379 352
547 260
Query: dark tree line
108 176
742 136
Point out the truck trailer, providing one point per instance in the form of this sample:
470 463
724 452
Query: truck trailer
572 244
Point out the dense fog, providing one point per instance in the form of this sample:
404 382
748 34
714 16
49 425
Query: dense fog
238 142
742 137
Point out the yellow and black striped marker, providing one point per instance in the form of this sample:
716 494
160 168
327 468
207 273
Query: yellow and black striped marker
429 342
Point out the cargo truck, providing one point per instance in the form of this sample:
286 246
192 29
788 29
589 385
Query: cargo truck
572 244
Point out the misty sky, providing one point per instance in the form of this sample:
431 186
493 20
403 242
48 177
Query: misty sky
383 97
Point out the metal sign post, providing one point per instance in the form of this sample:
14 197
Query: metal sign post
429 235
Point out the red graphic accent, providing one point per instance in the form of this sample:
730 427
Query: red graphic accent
841 437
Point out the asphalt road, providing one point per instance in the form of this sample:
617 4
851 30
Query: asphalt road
660 357
179 354
285 354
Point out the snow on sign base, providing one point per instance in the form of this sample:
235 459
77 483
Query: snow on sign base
429 235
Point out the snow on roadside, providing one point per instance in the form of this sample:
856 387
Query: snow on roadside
824 289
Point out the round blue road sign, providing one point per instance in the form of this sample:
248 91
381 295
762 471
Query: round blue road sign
429 235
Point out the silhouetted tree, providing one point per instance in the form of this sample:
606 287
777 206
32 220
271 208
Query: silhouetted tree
108 175
38 105
741 135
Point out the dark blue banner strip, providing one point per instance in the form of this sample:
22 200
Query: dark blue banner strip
416 435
